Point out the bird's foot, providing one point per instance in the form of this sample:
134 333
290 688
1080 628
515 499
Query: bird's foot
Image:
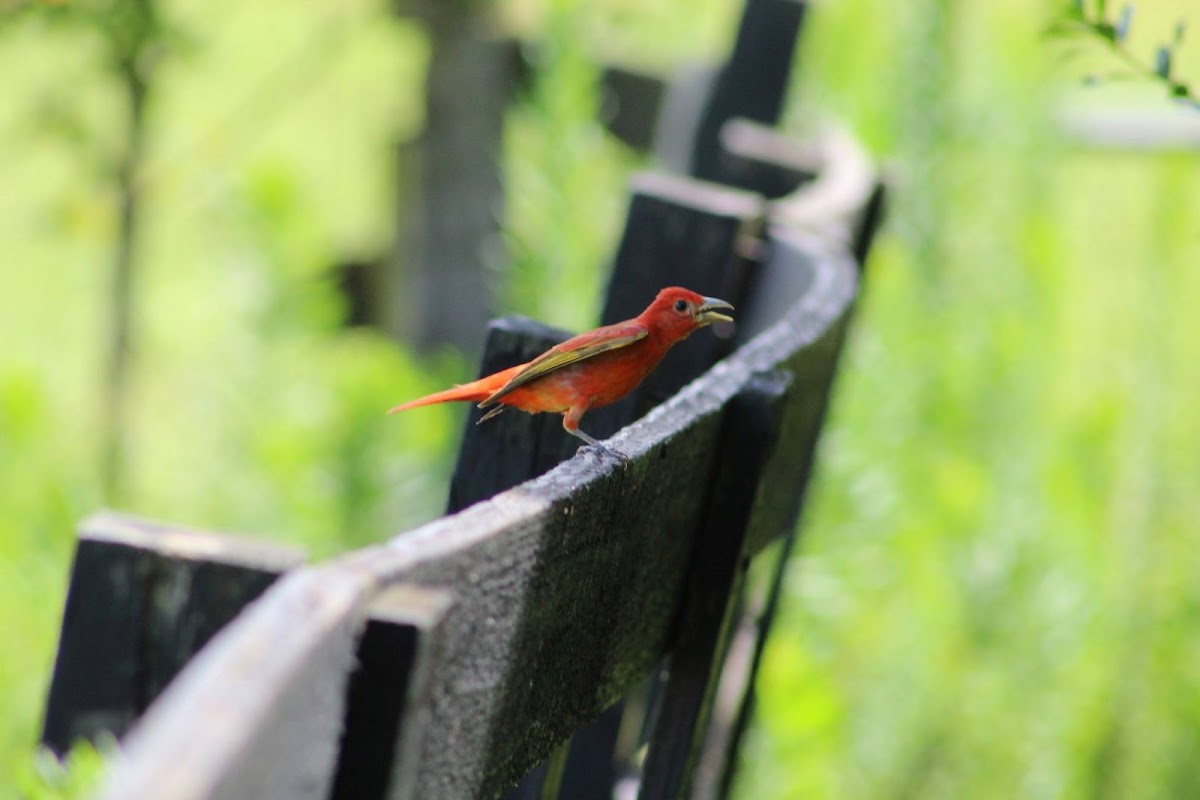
599 449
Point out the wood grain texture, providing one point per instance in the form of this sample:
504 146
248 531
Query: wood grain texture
258 712
397 651
677 232
143 598
513 447
747 438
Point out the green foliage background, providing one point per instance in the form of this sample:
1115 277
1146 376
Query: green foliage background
997 594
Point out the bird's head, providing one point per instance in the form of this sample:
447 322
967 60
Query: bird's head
678 311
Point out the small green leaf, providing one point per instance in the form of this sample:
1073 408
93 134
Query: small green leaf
1162 63
1123 22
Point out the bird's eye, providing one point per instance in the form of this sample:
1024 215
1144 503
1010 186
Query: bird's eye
681 305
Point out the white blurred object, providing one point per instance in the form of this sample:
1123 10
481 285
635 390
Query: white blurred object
1173 127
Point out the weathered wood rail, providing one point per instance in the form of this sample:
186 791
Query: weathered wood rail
492 648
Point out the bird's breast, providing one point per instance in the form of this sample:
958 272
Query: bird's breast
597 381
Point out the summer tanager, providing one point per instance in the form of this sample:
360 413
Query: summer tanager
592 369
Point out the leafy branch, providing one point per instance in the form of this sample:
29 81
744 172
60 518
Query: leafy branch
1092 22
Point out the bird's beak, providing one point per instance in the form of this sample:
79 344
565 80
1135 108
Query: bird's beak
707 313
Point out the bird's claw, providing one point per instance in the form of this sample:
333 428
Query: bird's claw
602 449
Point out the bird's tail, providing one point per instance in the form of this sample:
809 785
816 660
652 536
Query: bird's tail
475 391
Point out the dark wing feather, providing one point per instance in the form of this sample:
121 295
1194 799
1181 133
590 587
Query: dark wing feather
572 351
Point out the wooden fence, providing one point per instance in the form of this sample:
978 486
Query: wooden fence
576 626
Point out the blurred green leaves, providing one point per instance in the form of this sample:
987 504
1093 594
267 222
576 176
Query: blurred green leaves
564 179
1078 26
993 599
44 777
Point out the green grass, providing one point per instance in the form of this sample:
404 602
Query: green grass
995 596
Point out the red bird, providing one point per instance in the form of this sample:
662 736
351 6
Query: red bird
592 369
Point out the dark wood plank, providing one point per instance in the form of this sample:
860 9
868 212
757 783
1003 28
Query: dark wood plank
753 83
593 763
749 434
142 600
510 448
393 662
754 626
435 289
258 713
630 105
812 367
870 222
678 232
513 447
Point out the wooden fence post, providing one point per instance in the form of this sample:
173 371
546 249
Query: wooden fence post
749 433
434 286
737 686
513 447
457 657
142 600
630 106
395 653
498 455
753 83
679 231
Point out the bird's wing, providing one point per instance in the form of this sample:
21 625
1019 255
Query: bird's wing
572 351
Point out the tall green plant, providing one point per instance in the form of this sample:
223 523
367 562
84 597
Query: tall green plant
988 602
564 179
1095 23
134 38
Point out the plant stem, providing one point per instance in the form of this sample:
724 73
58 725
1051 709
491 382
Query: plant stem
122 290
